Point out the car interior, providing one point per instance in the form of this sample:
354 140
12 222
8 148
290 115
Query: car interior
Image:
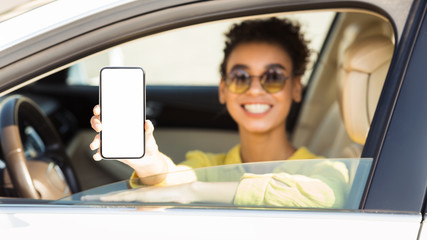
333 120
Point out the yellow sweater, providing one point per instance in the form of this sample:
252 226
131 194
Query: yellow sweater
313 183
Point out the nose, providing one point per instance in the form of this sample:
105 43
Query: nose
256 88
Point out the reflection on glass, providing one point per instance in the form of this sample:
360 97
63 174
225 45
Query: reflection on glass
320 183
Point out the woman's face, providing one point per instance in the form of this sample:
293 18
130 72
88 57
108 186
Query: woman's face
256 110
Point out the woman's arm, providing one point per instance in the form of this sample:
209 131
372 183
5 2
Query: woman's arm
218 192
324 187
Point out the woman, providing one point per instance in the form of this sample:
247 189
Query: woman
260 78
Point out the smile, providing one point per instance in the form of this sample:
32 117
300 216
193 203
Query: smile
257 108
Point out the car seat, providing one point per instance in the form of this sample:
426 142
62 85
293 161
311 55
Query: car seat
365 66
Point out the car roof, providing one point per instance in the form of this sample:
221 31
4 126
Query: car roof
49 17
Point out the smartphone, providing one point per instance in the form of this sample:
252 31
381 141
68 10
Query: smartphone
122 102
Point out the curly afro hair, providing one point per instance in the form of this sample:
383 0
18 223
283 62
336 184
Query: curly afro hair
272 30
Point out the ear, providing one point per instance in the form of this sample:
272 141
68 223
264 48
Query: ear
296 89
222 91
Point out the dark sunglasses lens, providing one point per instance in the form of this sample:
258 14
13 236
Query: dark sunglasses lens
274 80
238 81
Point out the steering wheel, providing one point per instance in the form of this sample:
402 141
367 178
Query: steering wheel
50 175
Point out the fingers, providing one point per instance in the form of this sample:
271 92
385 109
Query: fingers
97 156
96 110
149 127
97 126
95 122
95 143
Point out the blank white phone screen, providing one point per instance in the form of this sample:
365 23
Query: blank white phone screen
122 100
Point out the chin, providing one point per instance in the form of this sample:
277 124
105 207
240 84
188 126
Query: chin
257 129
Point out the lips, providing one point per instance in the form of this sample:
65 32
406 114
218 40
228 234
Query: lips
257 108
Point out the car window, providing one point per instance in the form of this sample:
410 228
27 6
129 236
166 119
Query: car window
187 56
178 58
313 183
323 122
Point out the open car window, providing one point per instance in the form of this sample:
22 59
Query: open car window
313 183
181 66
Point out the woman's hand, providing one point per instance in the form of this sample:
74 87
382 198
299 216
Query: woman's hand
153 162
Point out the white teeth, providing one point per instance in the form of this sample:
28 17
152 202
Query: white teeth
257 108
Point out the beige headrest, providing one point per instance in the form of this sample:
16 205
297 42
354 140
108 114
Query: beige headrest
365 64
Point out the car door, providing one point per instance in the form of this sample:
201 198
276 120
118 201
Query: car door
392 204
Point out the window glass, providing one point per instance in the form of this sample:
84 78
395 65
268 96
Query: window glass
315 183
186 56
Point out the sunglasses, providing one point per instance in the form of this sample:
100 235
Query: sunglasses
239 81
